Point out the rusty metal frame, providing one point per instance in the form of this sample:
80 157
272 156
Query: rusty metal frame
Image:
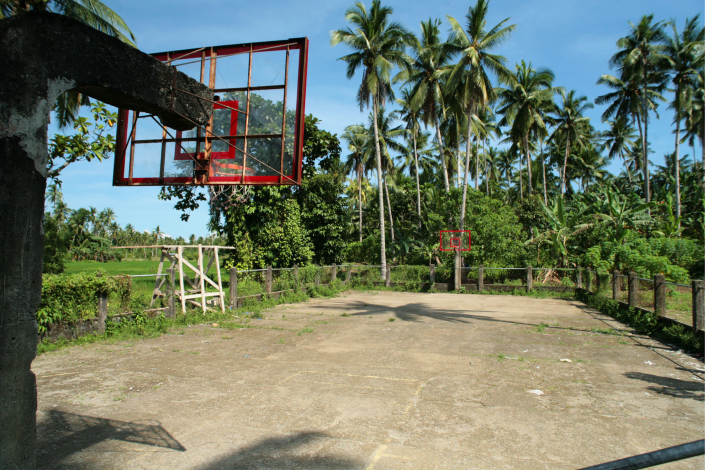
206 136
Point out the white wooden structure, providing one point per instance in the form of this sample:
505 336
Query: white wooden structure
197 293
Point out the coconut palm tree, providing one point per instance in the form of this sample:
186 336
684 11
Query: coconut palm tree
529 91
571 125
379 46
618 138
685 56
410 115
424 74
642 55
470 78
357 141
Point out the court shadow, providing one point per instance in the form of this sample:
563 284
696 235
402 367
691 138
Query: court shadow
298 451
694 390
63 434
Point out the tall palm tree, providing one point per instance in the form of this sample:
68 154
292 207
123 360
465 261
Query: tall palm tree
685 54
695 119
571 125
424 73
379 46
357 144
522 103
618 138
642 54
470 77
93 13
410 115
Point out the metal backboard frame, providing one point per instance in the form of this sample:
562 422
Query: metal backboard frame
255 137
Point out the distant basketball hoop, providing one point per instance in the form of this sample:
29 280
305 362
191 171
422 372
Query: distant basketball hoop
455 240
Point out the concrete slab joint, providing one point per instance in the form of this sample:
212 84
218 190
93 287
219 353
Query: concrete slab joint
43 55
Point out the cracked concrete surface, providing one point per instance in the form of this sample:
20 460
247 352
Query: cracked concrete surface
334 384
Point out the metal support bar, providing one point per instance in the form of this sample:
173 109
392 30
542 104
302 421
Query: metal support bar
650 459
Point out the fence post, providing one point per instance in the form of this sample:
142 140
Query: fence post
615 285
579 279
481 278
633 289
598 283
268 281
318 275
233 288
588 279
529 278
333 273
102 311
172 293
432 274
348 274
698 288
296 277
388 277
659 294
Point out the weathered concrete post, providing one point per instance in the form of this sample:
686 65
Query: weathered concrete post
333 273
432 274
698 288
296 277
388 277
348 274
529 278
268 281
616 285
660 294
318 276
633 289
481 278
102 311
598 282
233 288
171 272
458 272
579 277
588 279
43 55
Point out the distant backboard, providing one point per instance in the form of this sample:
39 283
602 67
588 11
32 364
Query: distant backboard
255 136
455 240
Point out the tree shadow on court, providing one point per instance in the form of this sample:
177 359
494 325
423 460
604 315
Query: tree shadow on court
298 451
63 434
677 388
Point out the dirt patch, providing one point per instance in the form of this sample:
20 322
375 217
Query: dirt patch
374 381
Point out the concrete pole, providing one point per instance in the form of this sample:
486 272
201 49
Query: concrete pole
233 288
388 276
481 278
296 277
318 276
432 274
171 272
268 281
598 282
698 288
529 278
333 273
588 279
615 285
660 294
633 289
348 274
579 277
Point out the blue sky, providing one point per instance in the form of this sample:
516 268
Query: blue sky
573 38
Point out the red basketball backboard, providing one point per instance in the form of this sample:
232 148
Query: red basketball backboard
255 136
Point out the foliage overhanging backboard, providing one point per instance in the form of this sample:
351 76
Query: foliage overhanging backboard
255 136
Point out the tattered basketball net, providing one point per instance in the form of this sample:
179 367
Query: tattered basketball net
228 196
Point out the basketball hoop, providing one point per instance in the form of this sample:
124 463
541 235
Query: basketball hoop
226 197
455 240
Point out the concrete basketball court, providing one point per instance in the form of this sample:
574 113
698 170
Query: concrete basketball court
335 384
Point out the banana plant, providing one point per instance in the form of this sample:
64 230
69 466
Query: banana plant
620 215
563 227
